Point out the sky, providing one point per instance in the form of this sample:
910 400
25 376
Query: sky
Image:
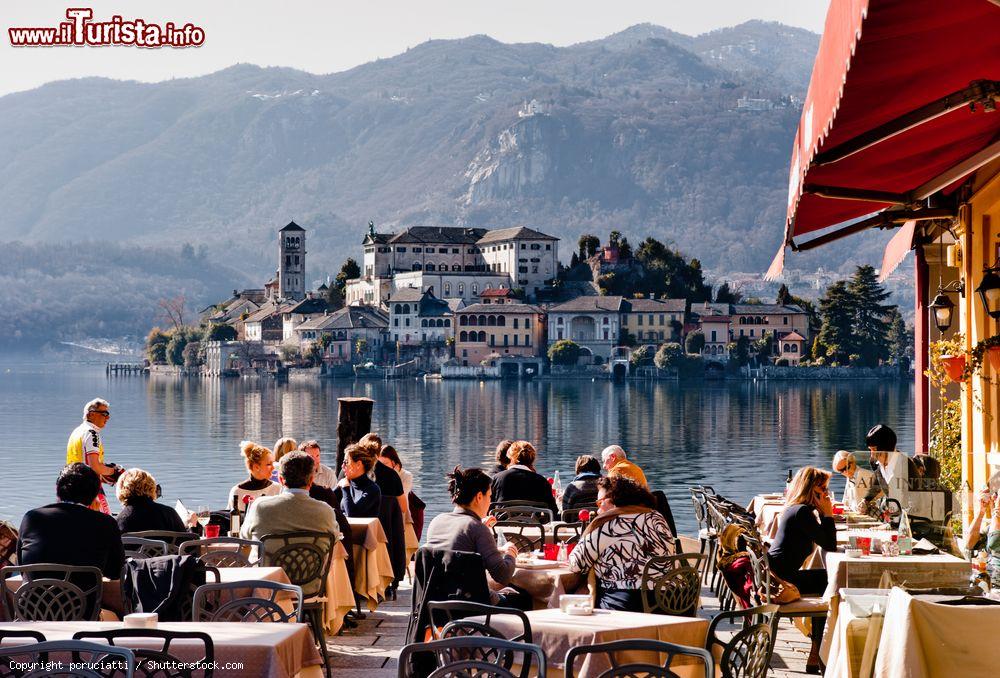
325 36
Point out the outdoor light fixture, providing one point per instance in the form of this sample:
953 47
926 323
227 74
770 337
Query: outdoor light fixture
943 308
989 292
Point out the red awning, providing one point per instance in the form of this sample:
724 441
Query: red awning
896 250
887 120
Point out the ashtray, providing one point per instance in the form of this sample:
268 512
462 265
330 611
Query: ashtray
853 553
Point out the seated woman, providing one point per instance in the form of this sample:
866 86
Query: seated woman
464 530
625 534
361 497
503 461
282 446
976 540
582 490
807 522
136 491
520 482
260 465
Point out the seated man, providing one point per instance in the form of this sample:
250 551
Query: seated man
292 510
68 532
616 464
859 480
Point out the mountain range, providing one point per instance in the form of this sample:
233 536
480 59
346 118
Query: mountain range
647 131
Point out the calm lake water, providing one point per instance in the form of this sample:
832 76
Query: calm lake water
740 437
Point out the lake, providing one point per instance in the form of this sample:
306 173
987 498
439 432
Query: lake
740 437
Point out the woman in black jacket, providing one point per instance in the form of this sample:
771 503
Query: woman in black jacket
520 482
136 491
503 461
582 490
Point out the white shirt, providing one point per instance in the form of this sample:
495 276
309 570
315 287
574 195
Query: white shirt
857 487
896 473
325 477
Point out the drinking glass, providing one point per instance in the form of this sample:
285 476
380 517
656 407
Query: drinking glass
204 515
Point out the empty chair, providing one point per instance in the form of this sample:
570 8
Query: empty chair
82 652
479 656
629 662
525 537
224 551
19 634
172 539
572 515
521 511
672 584
138 547
248 601
451 620
51 592
150 662
747 653
568 532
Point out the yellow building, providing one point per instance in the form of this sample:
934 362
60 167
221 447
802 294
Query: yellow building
501 329
653 321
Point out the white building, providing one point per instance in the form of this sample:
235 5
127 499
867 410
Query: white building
595 323
345 329
420 318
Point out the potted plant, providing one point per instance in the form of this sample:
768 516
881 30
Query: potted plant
954 366
987 348
948 360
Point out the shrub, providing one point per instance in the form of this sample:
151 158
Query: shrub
564 352
641 356
695 342
668 355
781 362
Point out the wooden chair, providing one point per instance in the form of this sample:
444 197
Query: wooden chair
479 656
672 584
159 663
620 669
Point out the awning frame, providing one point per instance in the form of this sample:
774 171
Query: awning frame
890 218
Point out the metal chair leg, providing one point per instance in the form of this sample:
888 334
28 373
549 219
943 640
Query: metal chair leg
316 624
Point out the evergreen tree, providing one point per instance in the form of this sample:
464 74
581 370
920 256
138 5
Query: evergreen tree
785 297
574 261
334 297
898 337
836 334
348 271
624 249
726 295
695 342
871 317
588 245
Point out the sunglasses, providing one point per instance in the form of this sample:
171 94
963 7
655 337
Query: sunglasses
103 413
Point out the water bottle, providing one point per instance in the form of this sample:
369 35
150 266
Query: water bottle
905 534
556 483
563 556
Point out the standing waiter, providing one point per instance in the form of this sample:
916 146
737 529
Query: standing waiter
85 446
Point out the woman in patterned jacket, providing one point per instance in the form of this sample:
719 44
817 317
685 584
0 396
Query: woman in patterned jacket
616 545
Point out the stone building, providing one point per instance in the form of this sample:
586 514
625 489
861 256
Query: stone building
502 329
654 321
595 323
292 262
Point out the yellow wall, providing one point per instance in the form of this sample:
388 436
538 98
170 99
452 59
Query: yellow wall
630 324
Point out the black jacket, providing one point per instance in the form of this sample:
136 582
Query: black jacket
520 484
582 491
142 513
440 574
71 534
388 480
362 498
164 585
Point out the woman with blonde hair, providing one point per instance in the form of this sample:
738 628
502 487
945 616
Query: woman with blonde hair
807 522
136 491
260 465
282 446
520 482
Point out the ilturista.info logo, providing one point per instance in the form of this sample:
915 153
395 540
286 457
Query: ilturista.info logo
81 29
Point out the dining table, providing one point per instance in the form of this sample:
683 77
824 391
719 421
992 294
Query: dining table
254 650
546 581
373 572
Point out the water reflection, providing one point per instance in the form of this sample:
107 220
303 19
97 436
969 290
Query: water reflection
740 437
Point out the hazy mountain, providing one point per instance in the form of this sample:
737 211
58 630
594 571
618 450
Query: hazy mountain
638 132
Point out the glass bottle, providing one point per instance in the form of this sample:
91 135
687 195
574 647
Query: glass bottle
905 534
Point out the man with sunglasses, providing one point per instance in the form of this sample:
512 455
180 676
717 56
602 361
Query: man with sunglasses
861 483
85 446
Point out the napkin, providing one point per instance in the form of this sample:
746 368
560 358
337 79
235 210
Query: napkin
925 548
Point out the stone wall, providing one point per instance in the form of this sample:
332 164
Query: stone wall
830 373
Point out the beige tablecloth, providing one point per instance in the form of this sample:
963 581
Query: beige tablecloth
867 572
921 639
853 644
264 650
557 632
372 566
545 586
768 509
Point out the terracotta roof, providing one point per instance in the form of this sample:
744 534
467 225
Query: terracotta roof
349 317
516 233
292 226
590 304
793 336
656 305
497 292
765 309
445 235
266 311
502 308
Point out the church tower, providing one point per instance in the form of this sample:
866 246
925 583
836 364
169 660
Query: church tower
292 262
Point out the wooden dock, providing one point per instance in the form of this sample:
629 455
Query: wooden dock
125 369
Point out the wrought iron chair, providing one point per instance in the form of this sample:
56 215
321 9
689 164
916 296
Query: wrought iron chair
572 515
454 615
171 538
245 601
573 532
138 547
159 663
51 592
627 666
305 557
806 606
479 656
521 535
747 653
706 533
521 511
672 584
222 556
82 653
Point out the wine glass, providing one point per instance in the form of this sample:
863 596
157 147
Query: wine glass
204 515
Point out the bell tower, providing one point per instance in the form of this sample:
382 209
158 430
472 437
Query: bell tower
292 262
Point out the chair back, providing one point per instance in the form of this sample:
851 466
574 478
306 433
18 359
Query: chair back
304 556
140 593
138 547
526 537
761 594
626 665
453 615
568 532
672 584
248 601
51 592
159 662
572 515
521 511
747 653
479 656
82 653
216 551
171 538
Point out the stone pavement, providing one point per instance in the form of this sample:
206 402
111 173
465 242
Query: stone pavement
371 650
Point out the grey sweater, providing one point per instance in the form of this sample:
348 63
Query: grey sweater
462 530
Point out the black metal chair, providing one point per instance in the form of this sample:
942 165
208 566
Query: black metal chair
747 653
51 592
573 532
521 511
221 556
450 619
479 656
138 547
305 557
672 584
159 663
130 596
521 535
628 666
572 515
172 539
81 653
244 601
